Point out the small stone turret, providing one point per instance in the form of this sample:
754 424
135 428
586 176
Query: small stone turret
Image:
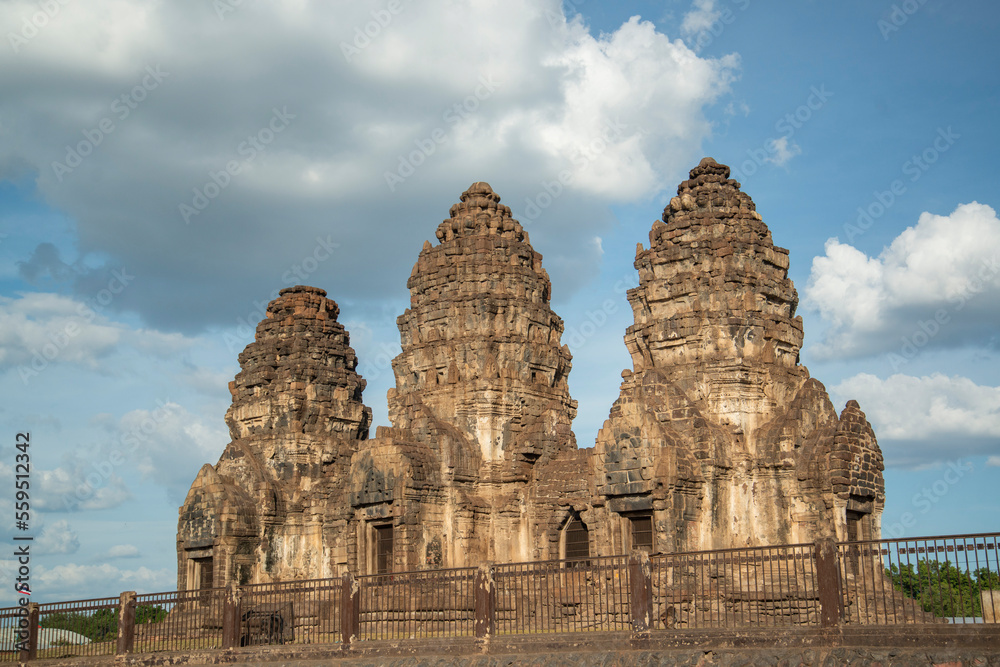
296 418
298 376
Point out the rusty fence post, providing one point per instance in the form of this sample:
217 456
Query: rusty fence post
828 582
30 643
640 591
350 610
485 601
231 616
126 623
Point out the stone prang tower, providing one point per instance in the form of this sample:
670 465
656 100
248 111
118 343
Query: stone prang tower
719 438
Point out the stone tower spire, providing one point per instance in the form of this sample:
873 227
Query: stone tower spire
298 377
481 349
715 309
717 423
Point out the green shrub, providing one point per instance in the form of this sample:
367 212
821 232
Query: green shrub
102 625
942 588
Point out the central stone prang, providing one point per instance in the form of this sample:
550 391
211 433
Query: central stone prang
481 345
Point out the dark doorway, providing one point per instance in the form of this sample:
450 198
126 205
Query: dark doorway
383 548
857 530
577 540
206 576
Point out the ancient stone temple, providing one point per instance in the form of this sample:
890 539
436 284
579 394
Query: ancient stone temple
719 437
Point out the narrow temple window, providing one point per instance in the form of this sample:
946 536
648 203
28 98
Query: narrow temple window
642 532
858 528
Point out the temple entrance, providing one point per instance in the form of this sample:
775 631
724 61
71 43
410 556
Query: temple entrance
204 577
858 529
383 548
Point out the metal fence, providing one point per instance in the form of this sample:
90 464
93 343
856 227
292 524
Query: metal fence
177 620
760 586
933 580
77 628
304 612
562 596
10 627
951 579
411 605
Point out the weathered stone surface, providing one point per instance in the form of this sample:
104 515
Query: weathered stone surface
719 437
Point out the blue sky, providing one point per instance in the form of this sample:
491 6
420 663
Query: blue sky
233 149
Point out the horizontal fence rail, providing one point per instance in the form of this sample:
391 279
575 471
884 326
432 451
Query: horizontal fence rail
931 580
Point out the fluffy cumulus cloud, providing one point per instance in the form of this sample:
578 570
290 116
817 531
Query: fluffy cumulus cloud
784 150
220 156
168 445
84 483
923 420
163 446
936 285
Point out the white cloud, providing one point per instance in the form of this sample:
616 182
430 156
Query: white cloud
123 551
937 284
81 486
39 329
921 420
700 18
168 445
57 538
783 151
733 108
84 482
46 328
993 461
67 581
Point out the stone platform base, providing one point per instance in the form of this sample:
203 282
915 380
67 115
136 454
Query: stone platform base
948 646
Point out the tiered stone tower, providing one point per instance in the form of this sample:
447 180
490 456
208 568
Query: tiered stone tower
296 419
481 348
719 438
716 389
